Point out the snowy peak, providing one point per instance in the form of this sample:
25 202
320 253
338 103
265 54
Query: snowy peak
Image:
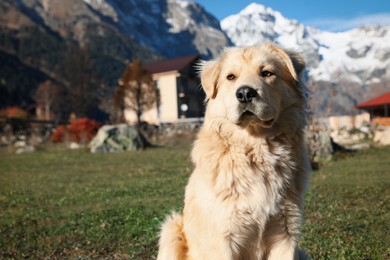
346 67
257 9
258 23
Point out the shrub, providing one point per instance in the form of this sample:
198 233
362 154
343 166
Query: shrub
13 112
81 131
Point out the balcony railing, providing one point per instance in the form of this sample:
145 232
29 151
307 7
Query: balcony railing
382 121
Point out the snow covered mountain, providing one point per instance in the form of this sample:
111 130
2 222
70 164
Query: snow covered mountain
345 67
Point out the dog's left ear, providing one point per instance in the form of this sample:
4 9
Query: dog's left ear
209 77
295 62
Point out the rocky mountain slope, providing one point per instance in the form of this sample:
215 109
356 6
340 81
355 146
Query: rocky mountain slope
345 67
172 27
39 35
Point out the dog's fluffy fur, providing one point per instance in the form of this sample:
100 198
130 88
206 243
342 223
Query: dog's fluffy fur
244 198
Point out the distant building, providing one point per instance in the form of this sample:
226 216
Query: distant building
181 97
379 109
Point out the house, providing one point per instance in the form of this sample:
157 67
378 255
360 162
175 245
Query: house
379 109
181 97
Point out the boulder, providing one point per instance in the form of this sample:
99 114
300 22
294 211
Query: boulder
25 149
74 146
117 138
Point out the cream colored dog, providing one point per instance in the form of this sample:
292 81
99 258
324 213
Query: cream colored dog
244 198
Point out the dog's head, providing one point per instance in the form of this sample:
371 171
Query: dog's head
252 85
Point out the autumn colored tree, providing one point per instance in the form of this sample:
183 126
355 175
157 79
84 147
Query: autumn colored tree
136 91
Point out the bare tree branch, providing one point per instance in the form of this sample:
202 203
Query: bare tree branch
136 91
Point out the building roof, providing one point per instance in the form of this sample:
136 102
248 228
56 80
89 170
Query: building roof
170 65
378 101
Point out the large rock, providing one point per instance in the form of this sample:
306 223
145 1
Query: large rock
117 138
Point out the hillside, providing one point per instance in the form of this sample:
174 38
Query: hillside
39 35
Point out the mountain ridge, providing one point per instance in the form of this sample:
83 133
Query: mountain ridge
343 65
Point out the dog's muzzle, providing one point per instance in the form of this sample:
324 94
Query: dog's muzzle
245 94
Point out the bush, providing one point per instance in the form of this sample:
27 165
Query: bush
13 112
80 131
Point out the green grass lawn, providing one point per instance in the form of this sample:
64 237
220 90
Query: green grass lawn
71 204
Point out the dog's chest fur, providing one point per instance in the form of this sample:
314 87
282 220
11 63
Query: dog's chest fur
244 167
247 177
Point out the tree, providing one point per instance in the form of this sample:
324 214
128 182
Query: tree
136 91
46 97
81 83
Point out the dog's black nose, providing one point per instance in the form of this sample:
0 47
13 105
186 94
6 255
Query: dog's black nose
245 94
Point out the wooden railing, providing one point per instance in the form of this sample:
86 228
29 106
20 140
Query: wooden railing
346 121
382 121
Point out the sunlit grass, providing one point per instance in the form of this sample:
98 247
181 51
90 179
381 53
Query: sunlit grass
57 203
348 208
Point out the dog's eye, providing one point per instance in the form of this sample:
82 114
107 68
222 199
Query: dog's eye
231 77
266 73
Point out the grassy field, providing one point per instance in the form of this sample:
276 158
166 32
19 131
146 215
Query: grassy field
72 204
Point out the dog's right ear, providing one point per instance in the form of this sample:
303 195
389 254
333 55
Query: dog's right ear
209 77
